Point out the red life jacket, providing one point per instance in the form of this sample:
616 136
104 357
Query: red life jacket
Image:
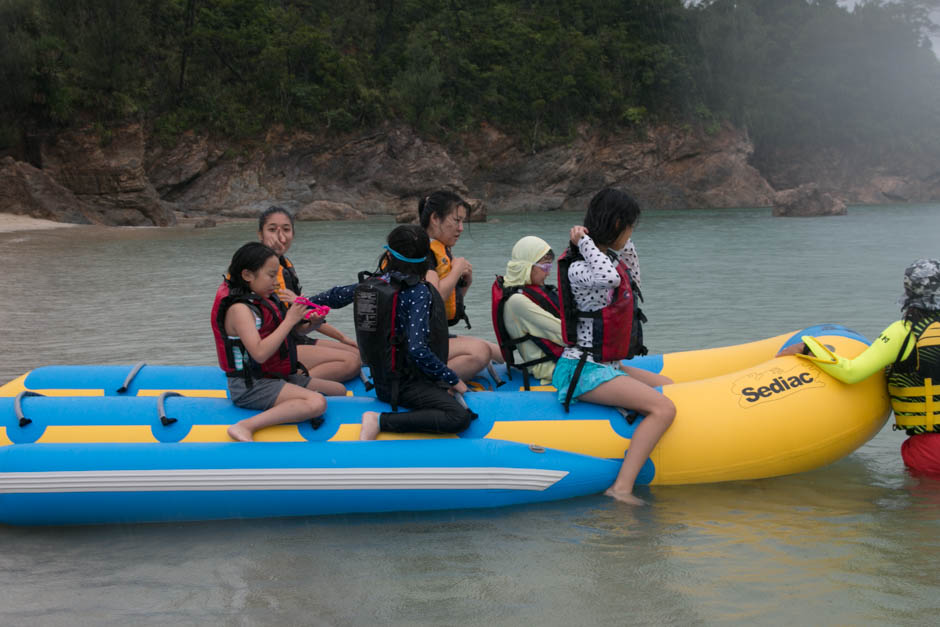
612 326
279 365
616 330
545 297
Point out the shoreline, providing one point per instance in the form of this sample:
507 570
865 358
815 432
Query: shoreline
12 223
15 223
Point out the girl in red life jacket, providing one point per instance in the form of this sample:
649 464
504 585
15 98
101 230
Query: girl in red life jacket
273 386
442 215
526 312
595 280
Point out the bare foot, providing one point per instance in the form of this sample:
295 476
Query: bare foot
370 426
239 433
624 497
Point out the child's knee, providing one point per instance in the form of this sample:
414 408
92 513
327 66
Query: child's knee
316 403
460 420
666 410
353 364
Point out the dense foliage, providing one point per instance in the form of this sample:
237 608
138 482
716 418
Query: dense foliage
790 71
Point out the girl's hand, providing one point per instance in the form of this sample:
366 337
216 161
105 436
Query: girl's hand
577 232
286 296
461 266
348 341
460 388
295 313
315 321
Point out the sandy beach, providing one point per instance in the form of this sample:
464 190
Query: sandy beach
10 223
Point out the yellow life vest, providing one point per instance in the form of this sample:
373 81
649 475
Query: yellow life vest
914 383
287 277
453 304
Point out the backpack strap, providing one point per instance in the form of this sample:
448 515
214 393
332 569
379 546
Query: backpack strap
574 380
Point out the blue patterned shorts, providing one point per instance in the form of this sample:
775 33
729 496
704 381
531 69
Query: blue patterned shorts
592 375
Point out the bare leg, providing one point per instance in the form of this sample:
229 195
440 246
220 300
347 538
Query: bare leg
645 376
467 356
293 403
495 354
327 387
338 346
370 426
327 362
659 413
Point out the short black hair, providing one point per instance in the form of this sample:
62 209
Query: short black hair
609 213
408 240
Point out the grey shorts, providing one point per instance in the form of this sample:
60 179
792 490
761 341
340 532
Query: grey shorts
263 394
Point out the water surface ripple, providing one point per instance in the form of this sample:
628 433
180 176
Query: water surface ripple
854 543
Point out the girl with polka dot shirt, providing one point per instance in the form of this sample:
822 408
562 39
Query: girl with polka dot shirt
594 279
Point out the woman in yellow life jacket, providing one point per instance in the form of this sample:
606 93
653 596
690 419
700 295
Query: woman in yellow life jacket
442 214
910 349
329 362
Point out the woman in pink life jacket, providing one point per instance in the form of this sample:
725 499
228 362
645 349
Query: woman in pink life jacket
596 286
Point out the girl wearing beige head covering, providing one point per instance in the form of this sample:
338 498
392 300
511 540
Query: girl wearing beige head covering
526 253
530 264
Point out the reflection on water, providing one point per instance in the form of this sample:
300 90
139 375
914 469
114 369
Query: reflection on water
855 543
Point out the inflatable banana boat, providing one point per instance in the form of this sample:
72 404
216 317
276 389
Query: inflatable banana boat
95 444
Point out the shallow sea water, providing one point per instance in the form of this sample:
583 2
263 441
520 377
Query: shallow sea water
853 543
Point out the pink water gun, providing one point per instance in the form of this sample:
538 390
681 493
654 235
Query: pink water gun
315 309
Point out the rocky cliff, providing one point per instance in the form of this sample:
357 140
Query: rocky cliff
122 176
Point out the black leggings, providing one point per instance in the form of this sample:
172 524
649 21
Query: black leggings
433 410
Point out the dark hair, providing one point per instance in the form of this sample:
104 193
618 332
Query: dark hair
408 240
270 211
610 212
913 315
442 203
252 256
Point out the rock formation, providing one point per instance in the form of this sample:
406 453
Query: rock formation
105 169
870 177
29 191
115 176
807 200
665 168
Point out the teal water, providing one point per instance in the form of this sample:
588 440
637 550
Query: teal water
853 543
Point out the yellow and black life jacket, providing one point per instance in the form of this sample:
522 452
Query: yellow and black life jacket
453 304
287 277
914 382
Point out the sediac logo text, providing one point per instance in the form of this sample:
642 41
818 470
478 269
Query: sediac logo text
775 384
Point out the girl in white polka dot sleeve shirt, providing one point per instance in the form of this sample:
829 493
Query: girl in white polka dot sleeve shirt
595 278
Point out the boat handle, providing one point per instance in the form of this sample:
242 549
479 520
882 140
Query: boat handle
630 415
365 380
130 377
161 411
18 406
495 377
